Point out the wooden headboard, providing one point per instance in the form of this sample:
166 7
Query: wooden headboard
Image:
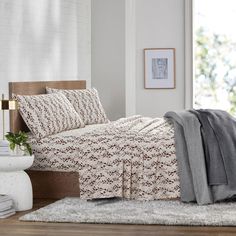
34 88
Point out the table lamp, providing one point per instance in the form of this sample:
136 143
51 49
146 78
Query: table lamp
5 105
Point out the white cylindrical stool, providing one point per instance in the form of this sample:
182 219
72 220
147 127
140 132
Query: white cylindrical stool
15 182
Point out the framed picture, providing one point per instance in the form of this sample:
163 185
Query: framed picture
159 68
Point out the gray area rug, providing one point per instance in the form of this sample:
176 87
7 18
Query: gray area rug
135 212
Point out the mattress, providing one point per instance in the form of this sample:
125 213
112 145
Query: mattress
51 153
132 158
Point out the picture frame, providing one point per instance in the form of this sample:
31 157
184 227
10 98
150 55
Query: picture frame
159 68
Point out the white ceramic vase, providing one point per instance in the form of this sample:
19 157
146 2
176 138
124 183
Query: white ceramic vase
19 151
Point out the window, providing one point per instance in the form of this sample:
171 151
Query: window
214 82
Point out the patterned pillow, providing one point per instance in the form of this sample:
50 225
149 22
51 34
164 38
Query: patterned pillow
87 104
48 114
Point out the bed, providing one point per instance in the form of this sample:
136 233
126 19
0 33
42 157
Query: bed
46 184
133 155
137 157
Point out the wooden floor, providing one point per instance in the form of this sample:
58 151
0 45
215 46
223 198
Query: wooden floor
12 226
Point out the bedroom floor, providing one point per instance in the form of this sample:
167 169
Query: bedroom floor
12 226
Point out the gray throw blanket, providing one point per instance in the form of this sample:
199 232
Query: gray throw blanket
223 161
191 159
213 155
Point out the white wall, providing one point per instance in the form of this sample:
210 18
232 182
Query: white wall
159 24
108 54
44 40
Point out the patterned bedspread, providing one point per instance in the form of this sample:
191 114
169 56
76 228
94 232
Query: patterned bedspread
132 158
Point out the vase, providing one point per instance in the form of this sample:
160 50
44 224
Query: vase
19 151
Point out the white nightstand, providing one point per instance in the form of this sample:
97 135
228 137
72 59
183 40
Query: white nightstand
15 182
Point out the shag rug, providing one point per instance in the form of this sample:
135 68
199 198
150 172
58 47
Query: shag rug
118 211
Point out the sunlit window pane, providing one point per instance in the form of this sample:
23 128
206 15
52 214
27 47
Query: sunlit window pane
215 54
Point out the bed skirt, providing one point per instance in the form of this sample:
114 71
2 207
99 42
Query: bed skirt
53 184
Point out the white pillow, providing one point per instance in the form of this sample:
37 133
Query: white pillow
87 104
48 114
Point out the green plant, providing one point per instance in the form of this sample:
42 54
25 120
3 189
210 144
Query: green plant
215 70
19 139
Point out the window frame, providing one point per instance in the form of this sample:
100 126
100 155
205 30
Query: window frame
189 54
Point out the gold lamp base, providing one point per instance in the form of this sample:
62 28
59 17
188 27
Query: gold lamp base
6 105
